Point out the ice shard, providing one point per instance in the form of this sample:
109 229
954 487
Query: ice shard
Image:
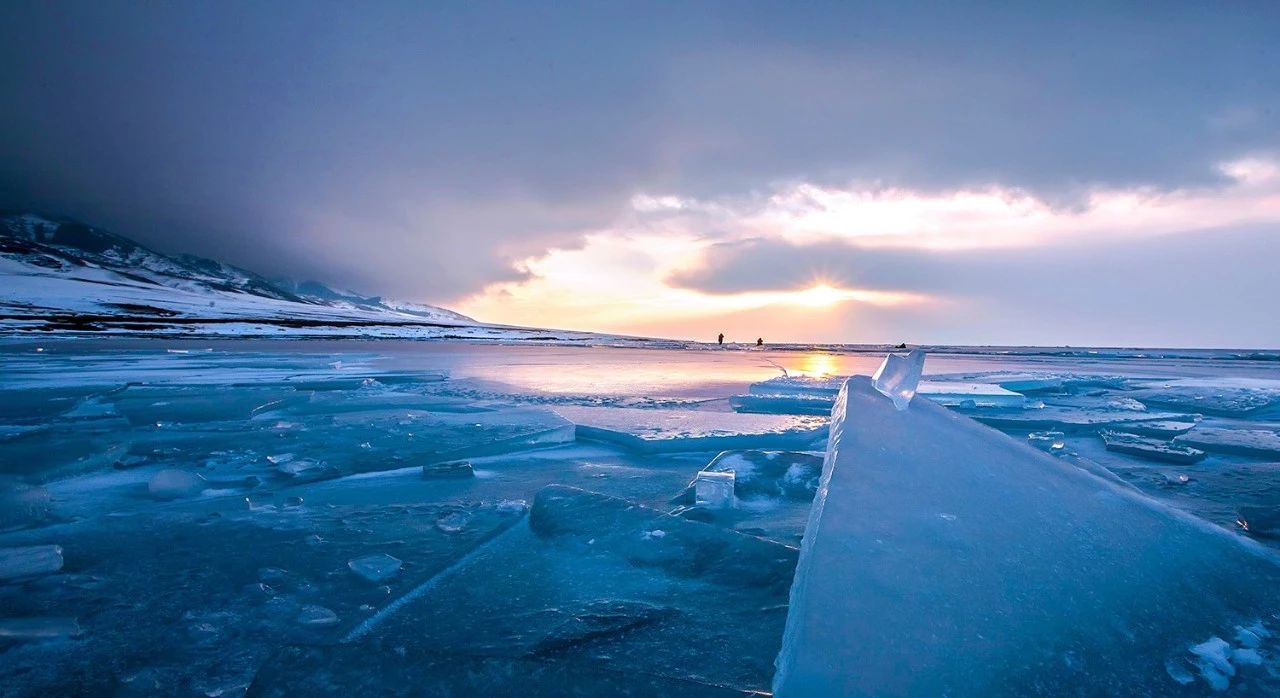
29 561
898 377
714 489
945 558
376 568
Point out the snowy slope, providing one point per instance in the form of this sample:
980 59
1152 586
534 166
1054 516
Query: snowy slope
61 274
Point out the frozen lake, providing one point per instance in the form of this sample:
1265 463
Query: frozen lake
296 510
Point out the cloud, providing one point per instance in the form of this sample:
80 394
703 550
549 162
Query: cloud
434 151
1184 267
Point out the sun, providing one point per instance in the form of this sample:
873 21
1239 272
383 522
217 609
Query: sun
820 296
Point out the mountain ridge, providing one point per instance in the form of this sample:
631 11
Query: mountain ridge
55 268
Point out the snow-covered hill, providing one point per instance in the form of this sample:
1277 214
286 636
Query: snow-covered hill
59 274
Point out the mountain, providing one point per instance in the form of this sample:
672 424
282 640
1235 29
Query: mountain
60 274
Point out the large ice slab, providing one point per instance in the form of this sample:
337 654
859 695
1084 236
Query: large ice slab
944 558
1264 443
1151 449
798 385
806 395
655 431
1074 420
783 404
962 394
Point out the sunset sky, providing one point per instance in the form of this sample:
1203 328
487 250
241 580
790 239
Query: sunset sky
1078 173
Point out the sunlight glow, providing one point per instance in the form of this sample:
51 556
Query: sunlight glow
821 296
818 365
620 278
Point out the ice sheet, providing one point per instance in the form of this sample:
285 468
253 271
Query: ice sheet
968 582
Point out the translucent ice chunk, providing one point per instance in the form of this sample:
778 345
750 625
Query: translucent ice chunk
898 377
1259 520
30 561
714 489
175 484
317 615
1213 661
22 504
452 470
1048 441
375 568
38 628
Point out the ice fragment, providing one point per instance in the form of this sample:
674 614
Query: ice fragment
375 568
714 489
898 377
175 484
30 561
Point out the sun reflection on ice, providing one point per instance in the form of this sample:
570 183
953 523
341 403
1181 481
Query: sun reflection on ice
818 365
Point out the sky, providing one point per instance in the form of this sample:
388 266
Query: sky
970 173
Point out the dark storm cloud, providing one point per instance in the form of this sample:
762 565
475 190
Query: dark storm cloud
419 148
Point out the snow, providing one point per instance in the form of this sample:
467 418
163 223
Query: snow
964 576
64 278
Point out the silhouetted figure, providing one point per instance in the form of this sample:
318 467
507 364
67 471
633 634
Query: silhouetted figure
720 339
759 341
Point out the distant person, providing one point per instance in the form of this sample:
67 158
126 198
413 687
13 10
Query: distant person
720 339
759 341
